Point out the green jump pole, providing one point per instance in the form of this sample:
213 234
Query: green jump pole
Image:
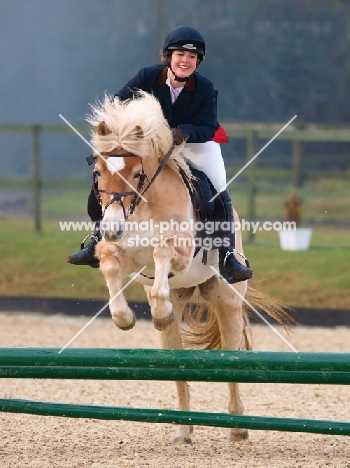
180 359
166 374
175 417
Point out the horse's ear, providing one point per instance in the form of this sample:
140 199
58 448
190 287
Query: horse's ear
102 129
138 132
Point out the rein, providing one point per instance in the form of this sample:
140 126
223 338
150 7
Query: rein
118 197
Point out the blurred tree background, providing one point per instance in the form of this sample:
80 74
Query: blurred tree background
269 59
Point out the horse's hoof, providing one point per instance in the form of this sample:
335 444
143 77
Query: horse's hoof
182 440
123 325
164 323
238 436
128 327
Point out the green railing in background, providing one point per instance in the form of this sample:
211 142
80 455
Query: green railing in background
296 133
36 130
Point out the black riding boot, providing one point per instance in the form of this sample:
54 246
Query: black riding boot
230 268
86 255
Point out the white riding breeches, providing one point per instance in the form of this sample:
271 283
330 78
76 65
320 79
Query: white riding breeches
206 157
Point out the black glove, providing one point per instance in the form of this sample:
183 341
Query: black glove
178 136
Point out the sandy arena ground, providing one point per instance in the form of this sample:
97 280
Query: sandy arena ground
47 442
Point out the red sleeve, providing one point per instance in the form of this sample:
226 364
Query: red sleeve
220 136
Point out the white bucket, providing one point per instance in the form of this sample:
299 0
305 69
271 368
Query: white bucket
299 239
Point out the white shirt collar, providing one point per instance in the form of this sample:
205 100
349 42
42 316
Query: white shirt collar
174 92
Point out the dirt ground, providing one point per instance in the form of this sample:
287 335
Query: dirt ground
46 442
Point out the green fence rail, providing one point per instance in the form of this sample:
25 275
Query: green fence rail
148 364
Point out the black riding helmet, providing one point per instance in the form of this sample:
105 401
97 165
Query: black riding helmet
185 38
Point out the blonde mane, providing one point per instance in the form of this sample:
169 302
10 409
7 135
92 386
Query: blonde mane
137 126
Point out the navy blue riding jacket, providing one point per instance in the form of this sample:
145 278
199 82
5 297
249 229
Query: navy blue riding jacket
193 112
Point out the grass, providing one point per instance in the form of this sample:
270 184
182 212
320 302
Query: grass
317 277
34 264
70 202
324 201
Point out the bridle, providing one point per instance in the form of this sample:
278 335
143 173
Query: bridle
118 197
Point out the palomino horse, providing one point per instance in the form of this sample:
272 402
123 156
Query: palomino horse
148 221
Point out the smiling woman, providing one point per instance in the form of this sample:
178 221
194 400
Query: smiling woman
188 102
182 65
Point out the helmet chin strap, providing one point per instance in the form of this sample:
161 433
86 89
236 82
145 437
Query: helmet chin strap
177 78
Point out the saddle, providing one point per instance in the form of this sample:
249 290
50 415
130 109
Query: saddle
201 191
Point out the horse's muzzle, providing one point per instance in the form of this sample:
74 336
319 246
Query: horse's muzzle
112 236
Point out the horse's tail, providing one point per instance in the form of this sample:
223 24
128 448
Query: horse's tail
274 308
202 330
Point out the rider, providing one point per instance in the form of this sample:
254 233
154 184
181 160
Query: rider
188 101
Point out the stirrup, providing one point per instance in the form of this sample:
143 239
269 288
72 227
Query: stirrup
93 236
232 274
235 251
86 254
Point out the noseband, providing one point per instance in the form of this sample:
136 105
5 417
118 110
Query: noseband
118 197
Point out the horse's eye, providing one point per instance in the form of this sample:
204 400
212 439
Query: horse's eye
97 173
137 175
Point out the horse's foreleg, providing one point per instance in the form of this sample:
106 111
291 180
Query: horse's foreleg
168 257
183 255
109 255
158 297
